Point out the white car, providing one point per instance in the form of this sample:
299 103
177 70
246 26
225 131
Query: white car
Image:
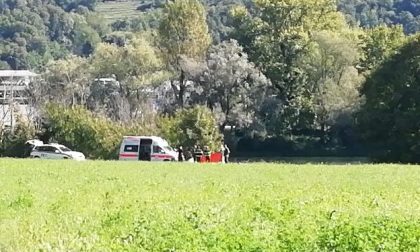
55 151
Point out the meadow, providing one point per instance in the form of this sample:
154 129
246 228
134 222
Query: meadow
123 206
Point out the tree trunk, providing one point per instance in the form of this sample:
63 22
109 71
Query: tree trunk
181 89
324 133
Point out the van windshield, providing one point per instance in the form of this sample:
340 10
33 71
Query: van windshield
169 148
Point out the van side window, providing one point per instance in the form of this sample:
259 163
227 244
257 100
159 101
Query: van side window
157 149
131 148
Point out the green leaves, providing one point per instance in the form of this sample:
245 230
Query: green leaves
189 127
379 43
77 128
388 121
134 65
183 30
140 206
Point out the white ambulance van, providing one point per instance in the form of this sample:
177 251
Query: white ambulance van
146 148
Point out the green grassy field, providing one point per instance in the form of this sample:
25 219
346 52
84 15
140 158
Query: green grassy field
123 206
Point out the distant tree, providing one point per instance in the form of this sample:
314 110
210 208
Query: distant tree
69 5
12 143
84 37
389 119
378 44
334 80
135 66
372 13
218 17
34 32
276 35
67 81
232 85
183 33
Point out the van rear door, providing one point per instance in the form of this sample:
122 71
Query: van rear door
145 151
129 149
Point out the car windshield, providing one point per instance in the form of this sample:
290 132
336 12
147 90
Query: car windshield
64 148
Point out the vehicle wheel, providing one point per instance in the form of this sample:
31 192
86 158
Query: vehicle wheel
166 160
65 158
36 157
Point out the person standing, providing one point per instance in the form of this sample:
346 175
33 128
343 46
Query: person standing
226 153
207 153
222 152
198 152
180 154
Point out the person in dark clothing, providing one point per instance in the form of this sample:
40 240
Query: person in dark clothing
180 154
226 153
198 152
207 153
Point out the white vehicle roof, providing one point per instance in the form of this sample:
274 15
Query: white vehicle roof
35 142
156 139
53 145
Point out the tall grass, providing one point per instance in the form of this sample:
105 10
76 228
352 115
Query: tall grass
123 206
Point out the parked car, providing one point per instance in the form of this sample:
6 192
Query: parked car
146 148
55 151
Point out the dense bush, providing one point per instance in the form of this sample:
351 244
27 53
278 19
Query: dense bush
389 120
192 126
13 142
78 128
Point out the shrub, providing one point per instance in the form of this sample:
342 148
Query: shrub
191 126
389 120
13 142
95 136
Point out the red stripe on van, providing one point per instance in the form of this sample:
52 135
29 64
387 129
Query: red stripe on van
129 155
161 156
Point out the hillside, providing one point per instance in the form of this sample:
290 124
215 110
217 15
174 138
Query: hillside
364 13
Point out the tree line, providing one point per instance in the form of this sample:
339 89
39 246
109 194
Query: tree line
283 76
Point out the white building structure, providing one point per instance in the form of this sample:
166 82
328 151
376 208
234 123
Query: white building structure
14 98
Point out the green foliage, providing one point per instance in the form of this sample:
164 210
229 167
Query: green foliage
379 43
78 128
218 17
132 206
189 127
134 65
276 47
334 80
281 50
30 33
372 13
388 121
70 5
13 142
183 30
94 135
68 80
231 85
183 33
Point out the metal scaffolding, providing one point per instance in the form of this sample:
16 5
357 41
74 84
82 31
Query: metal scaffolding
14 85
